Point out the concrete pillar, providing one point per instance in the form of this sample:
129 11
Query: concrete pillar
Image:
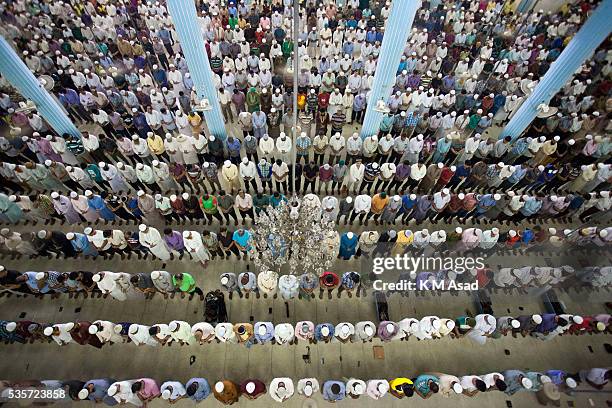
20 76
581 47
397 30
185 19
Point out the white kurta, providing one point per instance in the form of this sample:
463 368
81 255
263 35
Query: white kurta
153 240
196 248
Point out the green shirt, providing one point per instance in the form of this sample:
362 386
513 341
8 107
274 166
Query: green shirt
261 203
94 172
186 283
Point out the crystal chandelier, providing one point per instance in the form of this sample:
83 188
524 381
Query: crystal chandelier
294 235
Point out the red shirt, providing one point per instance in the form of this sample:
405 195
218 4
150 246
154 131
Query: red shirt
335 280
323 100
445 175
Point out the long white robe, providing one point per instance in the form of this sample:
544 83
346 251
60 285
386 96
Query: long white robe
196 248
153 240
111 284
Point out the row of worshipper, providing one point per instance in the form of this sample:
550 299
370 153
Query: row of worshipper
122 286
170 244
142 391
478 328
383 208
358 173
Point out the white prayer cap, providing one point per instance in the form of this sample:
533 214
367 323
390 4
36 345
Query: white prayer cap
93 329
48 331
436 324
40 234
48 163
11 326
185 196
70 235
158 196
40 276
139 166
578 319
12 198
390 327
4 231
512 233
537 319
97 277
544 379
600 326
570 382
457 388
526 383
496 196
515 324
307 390
261 330
155 275
413 196
250 387
458 230
55 195
133 329
369 331
461 196
219 387
84 393
325 331
88 230
142 227
117 328
445 191
156 163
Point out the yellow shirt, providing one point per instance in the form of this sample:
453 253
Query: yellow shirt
379 203
396 384
156 145
402 241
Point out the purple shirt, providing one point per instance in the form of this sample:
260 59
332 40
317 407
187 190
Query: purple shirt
402 171
384 333
175 241
548 323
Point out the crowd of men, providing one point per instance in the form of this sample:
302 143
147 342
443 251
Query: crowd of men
141 391
146 156
464 68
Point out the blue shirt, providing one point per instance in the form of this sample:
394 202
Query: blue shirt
268 336
407 202
421 383
33 283
329 395
242 240
531 207
319 336
203 390
100 391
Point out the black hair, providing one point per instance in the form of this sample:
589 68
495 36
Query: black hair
500 384
480 385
